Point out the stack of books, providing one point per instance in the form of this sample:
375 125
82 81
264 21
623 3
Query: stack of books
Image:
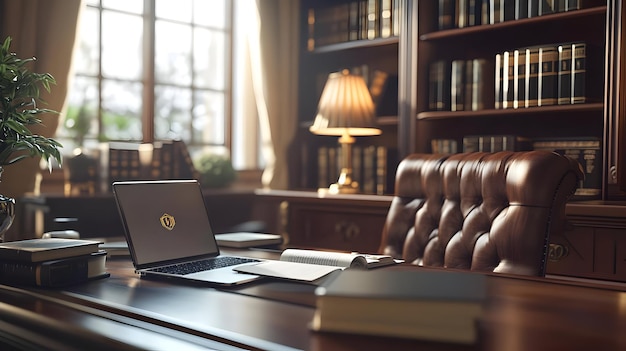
437 305
51 263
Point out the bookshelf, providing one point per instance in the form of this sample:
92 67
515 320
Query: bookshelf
337 35
596 24
408 53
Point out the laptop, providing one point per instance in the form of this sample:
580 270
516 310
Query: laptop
169 235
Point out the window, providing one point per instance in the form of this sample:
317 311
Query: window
157 69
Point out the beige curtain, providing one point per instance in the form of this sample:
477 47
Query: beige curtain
45 29
276 91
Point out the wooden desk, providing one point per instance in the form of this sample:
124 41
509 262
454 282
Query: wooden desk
126 312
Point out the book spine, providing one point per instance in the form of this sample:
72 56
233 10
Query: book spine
461 13
531 85
54 273
499 78
353 20
533 8
532 78
457 85
521 9
579 55
369 169
507 12
468 82
444 146
588 153
381 170
508 89
363 20
495 10
565 74
373 19
519 76
548 76
473 13
446 14
395 18
479 84
386 8
440 85
357 165
470 143
322 167
547 7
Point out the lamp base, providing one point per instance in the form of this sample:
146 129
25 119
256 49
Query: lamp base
340 189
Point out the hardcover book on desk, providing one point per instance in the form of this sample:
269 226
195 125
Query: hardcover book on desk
55 273
38 250
421 304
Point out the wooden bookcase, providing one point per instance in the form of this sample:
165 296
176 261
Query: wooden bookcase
419 43
321 55
597 23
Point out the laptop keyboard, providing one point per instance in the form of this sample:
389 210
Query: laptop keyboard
203 265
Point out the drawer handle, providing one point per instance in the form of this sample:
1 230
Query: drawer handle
347 230
556 252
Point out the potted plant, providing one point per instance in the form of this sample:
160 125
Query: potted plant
216 171
20 95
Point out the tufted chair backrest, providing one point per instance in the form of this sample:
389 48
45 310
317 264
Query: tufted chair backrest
479 211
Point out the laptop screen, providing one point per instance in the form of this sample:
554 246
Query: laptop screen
164 220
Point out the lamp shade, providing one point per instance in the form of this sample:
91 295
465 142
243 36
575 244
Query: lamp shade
345 107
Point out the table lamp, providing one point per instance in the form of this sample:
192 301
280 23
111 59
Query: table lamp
345 110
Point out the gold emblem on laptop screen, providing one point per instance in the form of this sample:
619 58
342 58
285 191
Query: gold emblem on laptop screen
167 221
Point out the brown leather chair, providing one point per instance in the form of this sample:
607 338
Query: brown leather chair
479 211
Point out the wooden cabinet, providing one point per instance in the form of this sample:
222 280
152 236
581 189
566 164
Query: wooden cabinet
335 222
594 243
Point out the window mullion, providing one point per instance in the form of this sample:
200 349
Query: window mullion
147 114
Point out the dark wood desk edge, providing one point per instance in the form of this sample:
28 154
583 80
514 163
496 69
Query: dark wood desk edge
505 284
144 319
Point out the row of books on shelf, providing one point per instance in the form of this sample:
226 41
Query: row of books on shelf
466 13
586 150
166 159
373 167
459 85
525 77
353 20
51 263
547 75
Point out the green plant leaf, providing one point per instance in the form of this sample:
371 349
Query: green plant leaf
19 99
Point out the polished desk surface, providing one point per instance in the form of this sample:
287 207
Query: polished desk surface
124 311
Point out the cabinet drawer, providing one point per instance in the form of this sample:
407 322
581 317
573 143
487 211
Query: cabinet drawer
589 252
571 253
358 229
